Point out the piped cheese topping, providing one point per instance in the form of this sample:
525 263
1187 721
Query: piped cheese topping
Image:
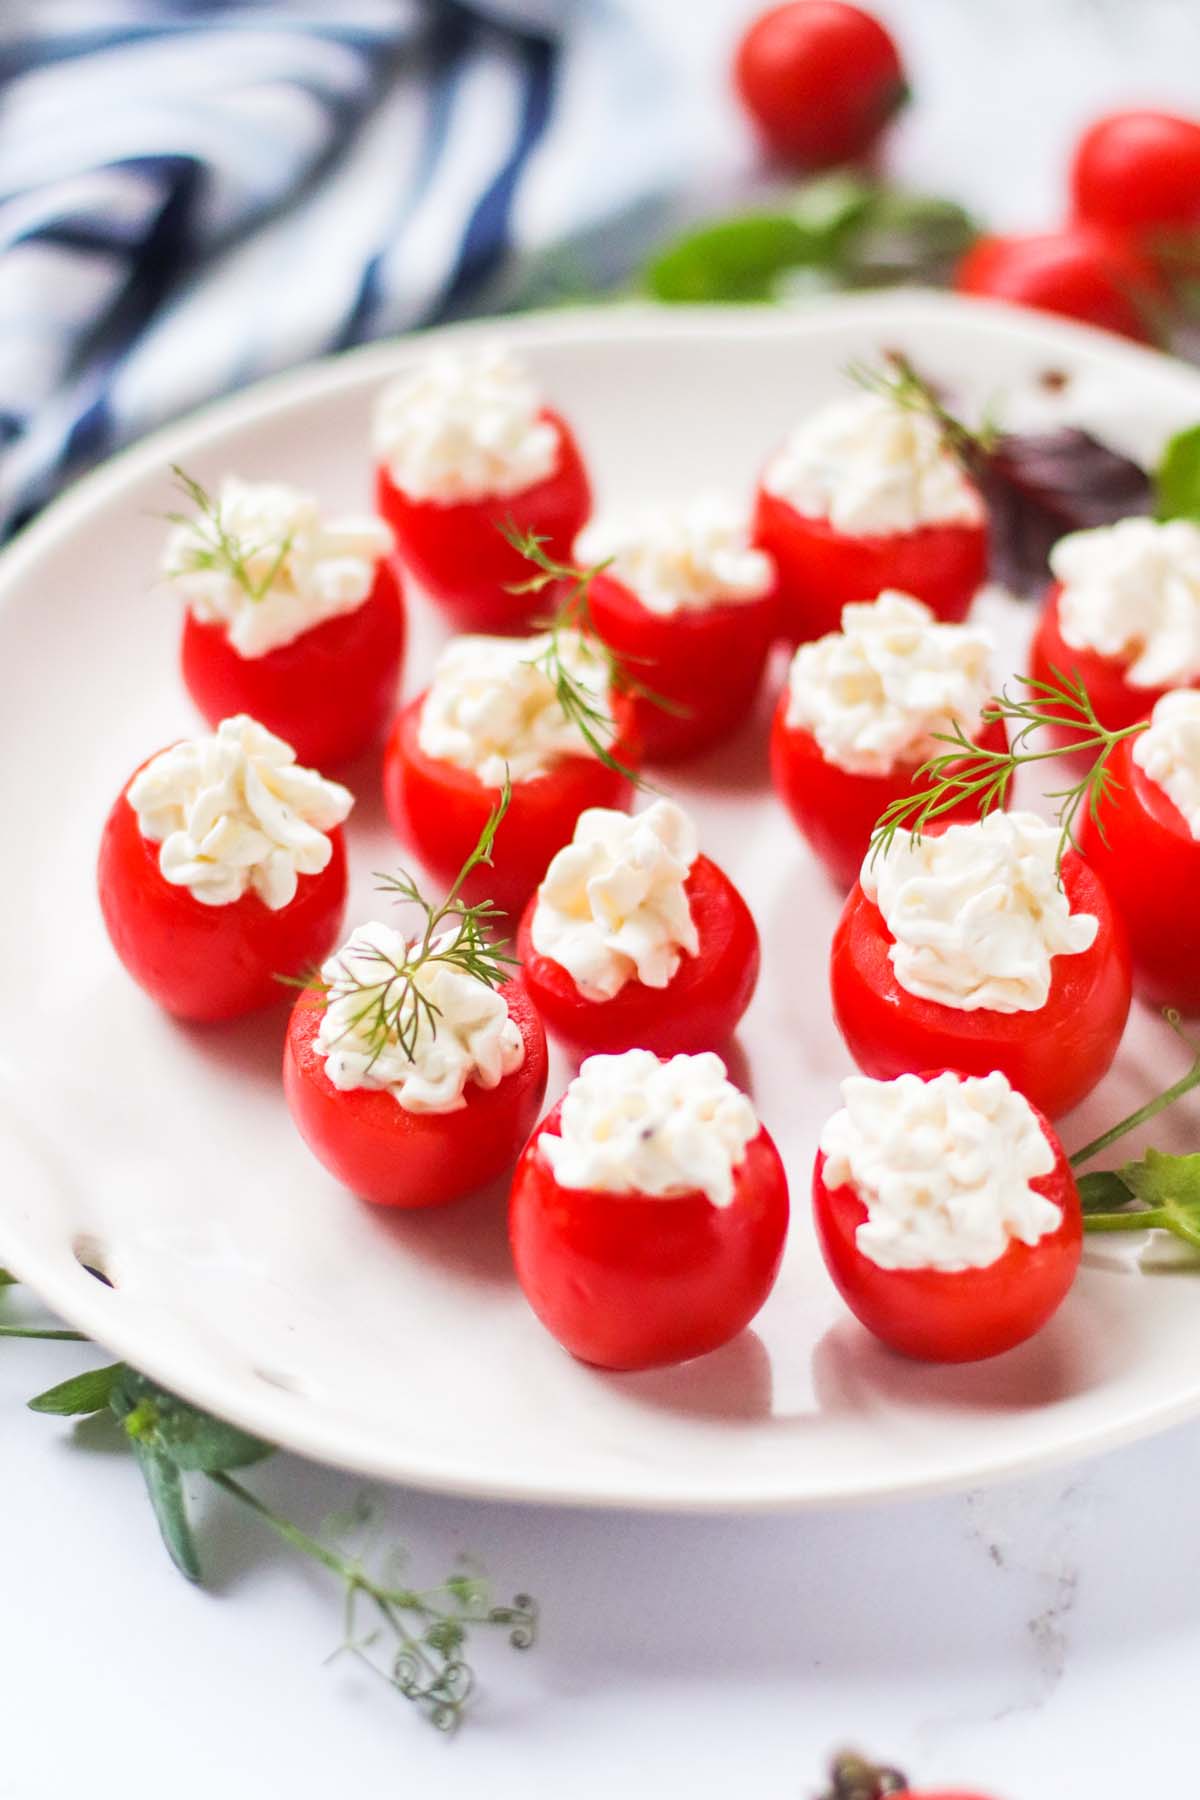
468 1036
1169 752
681 559
613 906
871 468
634 1125
943 1167
874 693
1131 591
464 425
269 566
977 913
235 813
490 708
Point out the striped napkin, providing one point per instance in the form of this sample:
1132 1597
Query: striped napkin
192 196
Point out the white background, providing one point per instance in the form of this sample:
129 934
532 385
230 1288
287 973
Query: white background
1037 1641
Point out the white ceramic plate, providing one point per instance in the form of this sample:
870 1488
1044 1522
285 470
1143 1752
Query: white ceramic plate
242 1275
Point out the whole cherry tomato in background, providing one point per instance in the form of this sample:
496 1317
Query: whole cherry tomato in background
820 80
1138 172
1083 272
854 1778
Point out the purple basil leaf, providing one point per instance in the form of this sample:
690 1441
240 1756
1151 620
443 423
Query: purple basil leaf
1040 485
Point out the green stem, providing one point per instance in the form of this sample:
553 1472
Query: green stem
1150 1218
291 1534
28 1331
1151 1110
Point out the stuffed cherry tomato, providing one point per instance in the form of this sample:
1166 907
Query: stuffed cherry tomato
947 1213
687 606
865 496
495 707
860 713
635 940
293 618
963 951
466 448
222 868
1123 617
1145 847
412 1080
648 1212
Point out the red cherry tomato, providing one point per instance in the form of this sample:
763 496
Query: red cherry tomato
1138 172
210 962
1054 1056
441 809
456 550
393 1157
1115 701
822 569
329 693
1150 863
708 663
820 80
962 1316
1081 272
836 809
635 1281
699 1009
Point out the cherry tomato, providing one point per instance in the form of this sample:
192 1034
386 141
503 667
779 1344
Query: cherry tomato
1150 862
210 962
837 809
1115 702
1054 1056
1138 172
939 1316
707 663
329 693
456 550
441 809
699 1009
1081 272
393 1157
635 1281
822 569
820 80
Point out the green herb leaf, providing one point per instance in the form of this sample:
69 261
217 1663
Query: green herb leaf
1163 1180
90 1392
1103 1191
1177 478
905 236
185 1435
165 1488
7 1280
731 260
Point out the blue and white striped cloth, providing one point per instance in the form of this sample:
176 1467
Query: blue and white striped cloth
192 196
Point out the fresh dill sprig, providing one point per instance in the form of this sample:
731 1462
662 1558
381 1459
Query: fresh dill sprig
899 382
215 547
967 771
574 613
394 1009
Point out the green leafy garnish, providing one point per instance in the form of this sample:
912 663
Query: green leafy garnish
213 546
394 1007
573 613
839 230
1177 477
967 771
427 1630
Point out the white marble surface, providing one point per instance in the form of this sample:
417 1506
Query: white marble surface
1037 1641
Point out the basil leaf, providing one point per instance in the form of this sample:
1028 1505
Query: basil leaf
1040 485
90 1392
1177 477
165 1489
1103 1191
189 1437
729 260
